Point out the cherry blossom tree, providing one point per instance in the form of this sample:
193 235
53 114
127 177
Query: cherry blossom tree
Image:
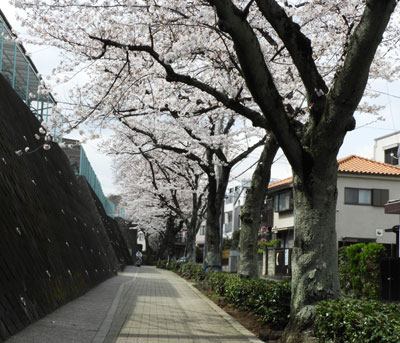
176 185
295 68
214 141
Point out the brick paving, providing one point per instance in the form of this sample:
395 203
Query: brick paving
145 305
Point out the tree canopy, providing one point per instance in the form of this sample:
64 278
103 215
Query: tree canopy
297 69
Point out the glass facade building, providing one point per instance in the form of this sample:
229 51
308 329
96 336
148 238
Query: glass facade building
22 74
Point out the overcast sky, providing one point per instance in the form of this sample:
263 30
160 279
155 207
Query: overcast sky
358 142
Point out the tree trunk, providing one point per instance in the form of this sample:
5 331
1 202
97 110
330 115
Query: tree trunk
315 262
250 215
215 200
193 226
191 247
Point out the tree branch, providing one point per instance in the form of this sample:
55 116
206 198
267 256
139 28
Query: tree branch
299 47
234 105
259 80
246 153
351 80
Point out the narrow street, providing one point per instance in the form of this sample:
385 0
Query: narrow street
145 305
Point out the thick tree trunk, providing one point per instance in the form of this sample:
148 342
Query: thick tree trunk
315 262
215 200
167 243
191 246
213 231
193 226
250 215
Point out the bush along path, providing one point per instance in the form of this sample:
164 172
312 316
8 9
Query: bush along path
337 321
268 301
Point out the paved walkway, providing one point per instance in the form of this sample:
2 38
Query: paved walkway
145 305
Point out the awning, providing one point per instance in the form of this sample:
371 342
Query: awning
392 207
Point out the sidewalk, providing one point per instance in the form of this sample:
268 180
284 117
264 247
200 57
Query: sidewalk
145 305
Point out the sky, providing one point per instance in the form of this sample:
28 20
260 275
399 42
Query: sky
357 142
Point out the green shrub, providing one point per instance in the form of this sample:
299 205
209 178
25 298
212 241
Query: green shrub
198 272
359 270
270 300
216 282
192 271
162 264
174 266
357 321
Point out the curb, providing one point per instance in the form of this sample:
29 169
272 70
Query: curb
106 324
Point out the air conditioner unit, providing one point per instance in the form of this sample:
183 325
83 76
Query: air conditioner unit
379 232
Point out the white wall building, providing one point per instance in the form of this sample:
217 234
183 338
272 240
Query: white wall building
386 149
234 199
364 187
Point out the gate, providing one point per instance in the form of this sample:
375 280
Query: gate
283 261
390 274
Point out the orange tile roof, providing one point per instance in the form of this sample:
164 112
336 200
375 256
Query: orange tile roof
286 181
362 165
355 165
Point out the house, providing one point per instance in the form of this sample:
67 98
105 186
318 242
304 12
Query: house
235 197
386 148
364 187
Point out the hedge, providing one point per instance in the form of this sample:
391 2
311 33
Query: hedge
359 270
357 321
192 271
269 300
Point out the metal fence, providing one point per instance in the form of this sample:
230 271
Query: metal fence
21 73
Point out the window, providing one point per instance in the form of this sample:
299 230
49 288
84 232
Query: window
228 227
391 156
228 199
380 197
362 196
202 230
283 202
